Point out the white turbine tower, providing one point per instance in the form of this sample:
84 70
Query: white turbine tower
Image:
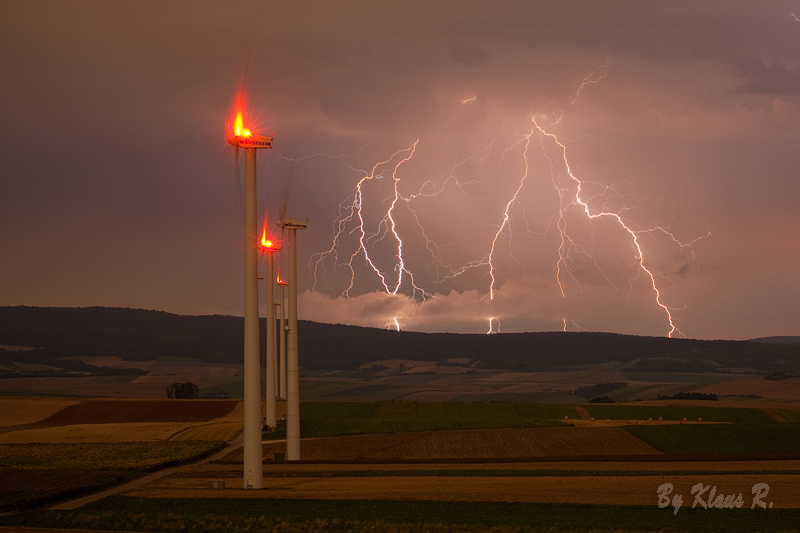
253 472
269 247
292 367
282 386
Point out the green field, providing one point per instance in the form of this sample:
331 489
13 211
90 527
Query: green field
679 412
720 438
327 419
312 516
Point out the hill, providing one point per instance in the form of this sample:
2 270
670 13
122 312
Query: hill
139 335
779 340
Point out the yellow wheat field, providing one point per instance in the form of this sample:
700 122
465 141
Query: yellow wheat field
18 411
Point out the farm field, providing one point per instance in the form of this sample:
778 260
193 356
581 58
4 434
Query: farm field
15 411
510 458
633 411
579 467
129 420
150 386
616 490
34 474
721 438
322 419
469 444
420 381
209 515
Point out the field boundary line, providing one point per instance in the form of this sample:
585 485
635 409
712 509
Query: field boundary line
775 416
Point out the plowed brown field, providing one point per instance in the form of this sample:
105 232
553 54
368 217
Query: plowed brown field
469 444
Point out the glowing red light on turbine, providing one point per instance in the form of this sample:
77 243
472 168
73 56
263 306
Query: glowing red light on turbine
267 244
278 280
238 134
237 124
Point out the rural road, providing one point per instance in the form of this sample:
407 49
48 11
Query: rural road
135 484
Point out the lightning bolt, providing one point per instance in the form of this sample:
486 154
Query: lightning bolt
615 217
598 74
506 219
571 196
353 210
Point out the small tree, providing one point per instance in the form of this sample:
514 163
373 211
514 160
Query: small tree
186 390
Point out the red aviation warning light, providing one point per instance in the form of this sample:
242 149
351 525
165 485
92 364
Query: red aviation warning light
268 245
244 138
279 281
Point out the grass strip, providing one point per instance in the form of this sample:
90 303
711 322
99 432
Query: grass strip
310 516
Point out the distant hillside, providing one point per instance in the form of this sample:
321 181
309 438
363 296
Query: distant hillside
779 340
135 334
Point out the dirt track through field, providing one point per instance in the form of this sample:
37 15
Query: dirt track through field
470 444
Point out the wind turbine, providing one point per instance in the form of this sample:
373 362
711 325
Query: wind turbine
241 137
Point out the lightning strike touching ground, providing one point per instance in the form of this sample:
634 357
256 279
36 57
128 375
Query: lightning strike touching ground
634 234
506 221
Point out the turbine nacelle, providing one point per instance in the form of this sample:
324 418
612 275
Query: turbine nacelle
244 138
288 223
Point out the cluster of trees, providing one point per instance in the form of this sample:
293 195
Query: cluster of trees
690 396
601 399
187 391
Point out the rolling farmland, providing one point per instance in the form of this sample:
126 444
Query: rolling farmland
502 454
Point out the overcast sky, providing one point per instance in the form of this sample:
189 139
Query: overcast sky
525 152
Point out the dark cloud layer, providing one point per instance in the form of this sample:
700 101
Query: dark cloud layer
117 188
